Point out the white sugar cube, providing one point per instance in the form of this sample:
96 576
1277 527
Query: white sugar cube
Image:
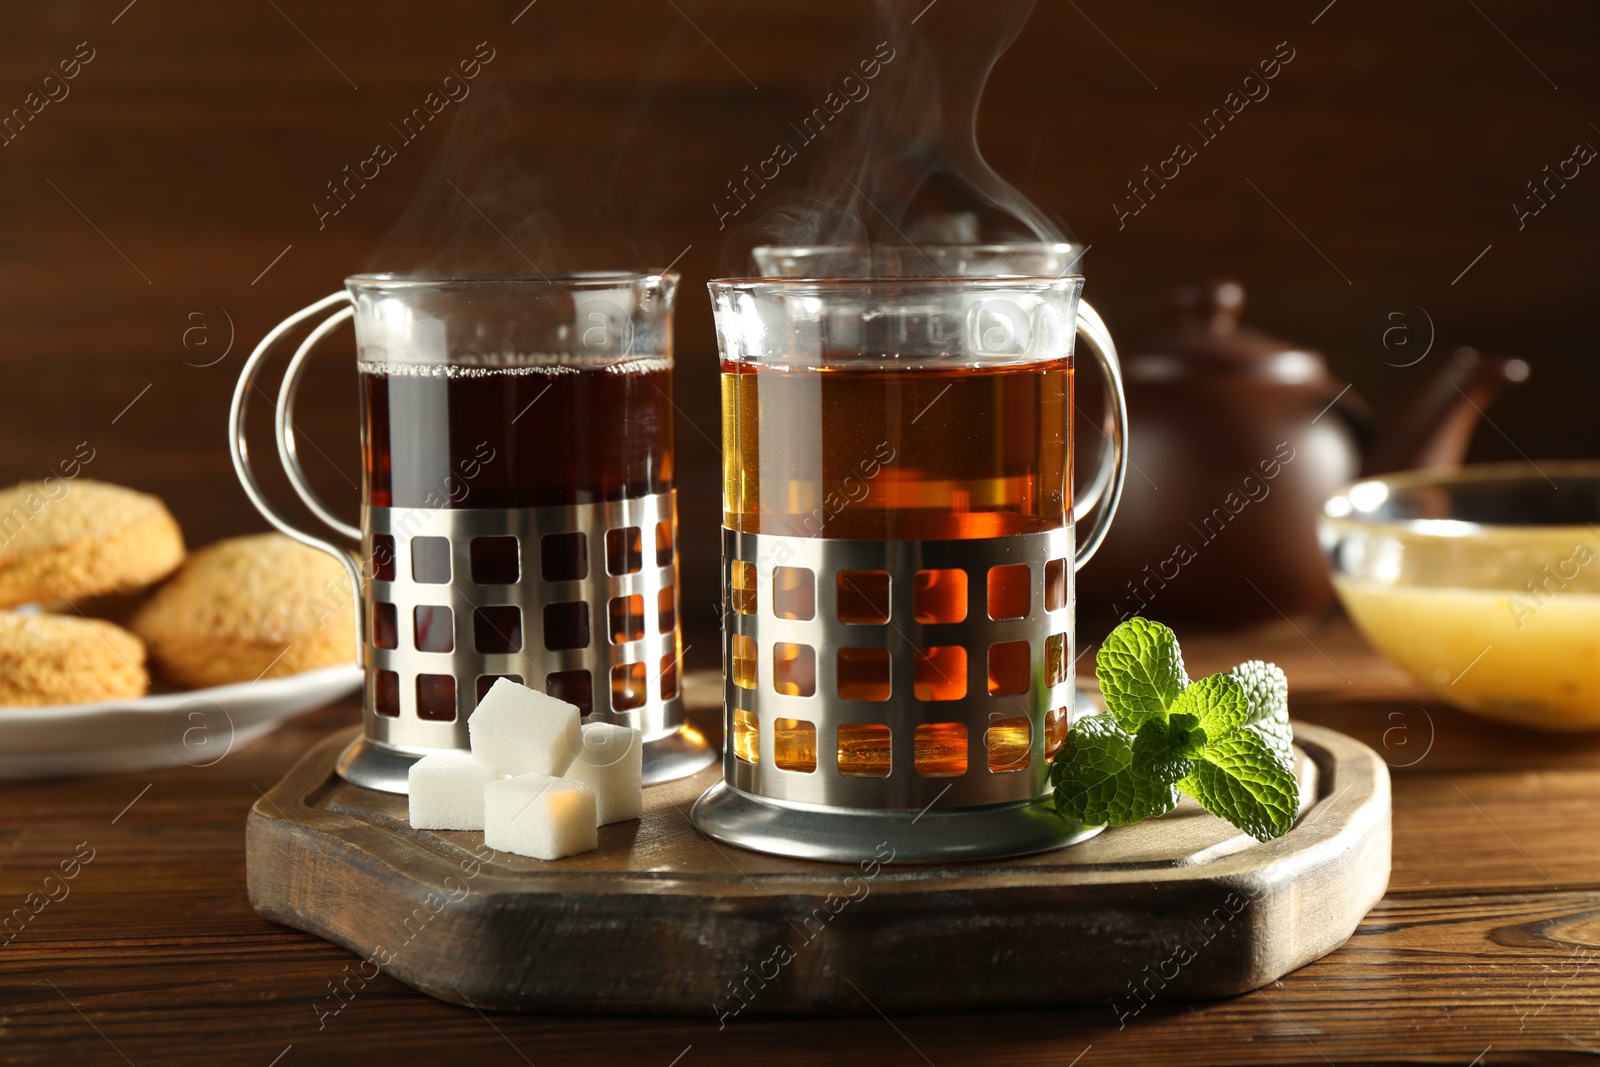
518 730
446 791
611 762
540 816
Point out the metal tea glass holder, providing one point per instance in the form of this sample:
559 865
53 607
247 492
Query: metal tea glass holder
841 793
579 600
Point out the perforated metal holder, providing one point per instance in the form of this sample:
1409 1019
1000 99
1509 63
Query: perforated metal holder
856 650
578 601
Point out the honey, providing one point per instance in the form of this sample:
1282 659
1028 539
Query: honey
1534 667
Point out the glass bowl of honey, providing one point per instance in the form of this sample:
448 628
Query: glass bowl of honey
1482 583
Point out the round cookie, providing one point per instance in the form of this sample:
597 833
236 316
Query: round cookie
248 608
62 540
59 659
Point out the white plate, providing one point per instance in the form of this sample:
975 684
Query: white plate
198 727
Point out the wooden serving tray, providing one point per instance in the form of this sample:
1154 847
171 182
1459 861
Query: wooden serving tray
661 919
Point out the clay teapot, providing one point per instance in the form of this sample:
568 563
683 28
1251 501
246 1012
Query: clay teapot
1235 440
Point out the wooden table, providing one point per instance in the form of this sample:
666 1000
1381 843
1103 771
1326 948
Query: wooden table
1487 944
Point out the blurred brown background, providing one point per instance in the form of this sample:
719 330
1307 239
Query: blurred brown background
171 190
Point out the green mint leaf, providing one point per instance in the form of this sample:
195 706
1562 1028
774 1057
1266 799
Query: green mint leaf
1095 779
1218 702
1241 778
1266 693
1140 671
1164 749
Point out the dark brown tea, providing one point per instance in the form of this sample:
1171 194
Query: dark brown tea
515 432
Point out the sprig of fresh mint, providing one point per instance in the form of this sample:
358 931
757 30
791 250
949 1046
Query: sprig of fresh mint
1224 740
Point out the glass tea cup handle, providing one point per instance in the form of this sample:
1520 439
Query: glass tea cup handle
240 450
288 450
1105 489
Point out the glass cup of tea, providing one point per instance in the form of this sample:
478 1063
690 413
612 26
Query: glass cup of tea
898 561
518 514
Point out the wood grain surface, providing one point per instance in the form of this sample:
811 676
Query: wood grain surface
1489 934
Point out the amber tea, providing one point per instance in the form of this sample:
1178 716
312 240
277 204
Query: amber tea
895 453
